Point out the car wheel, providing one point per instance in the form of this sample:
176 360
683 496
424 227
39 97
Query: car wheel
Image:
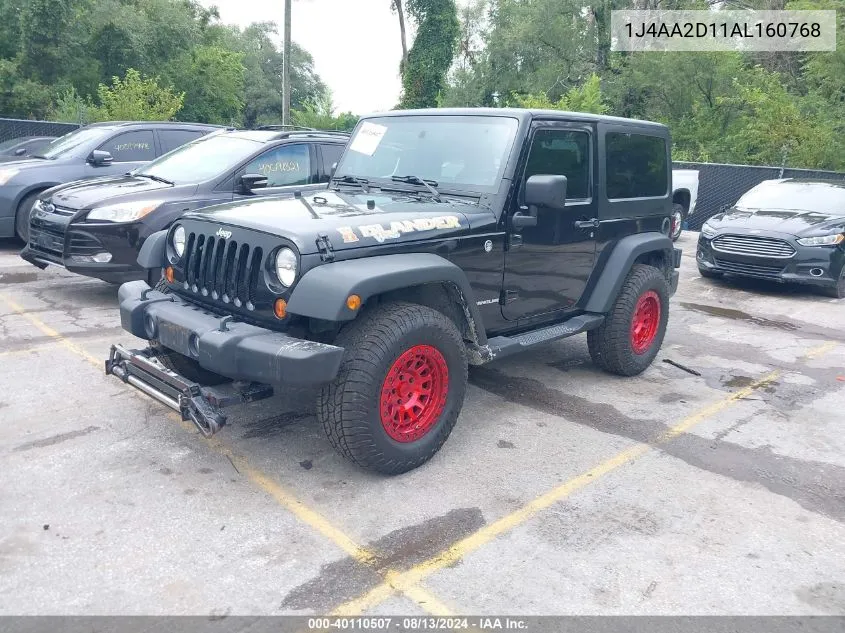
708 274
633 331
838 291
186 367
677 221
399 390
22 216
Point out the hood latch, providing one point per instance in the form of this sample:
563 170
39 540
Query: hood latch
325 248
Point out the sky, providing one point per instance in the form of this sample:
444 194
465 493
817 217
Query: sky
355 44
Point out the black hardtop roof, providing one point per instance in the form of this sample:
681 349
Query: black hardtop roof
519 113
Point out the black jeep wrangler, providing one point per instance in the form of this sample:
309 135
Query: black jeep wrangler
446 238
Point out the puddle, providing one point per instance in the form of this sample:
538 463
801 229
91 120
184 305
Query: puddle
739 381
739 315
17 278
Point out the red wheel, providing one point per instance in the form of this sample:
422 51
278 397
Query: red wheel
646 322
414 393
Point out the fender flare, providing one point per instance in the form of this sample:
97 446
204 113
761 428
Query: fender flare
321 292
621 260
152 253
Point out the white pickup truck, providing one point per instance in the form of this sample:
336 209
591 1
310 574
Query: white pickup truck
684 195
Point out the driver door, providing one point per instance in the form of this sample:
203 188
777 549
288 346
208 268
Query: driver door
547 266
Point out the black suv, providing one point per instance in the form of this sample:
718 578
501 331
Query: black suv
96 227
100 149
447 238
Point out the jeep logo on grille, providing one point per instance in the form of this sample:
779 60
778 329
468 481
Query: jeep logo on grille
223 235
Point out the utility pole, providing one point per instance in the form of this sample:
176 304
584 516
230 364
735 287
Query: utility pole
286 68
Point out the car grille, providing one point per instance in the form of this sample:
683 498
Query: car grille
750 270
46 241
222 270
753 246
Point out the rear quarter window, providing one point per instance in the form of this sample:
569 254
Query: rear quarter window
637 166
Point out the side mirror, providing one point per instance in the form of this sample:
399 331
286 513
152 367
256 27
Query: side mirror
20 151
99 158
248 182
546 191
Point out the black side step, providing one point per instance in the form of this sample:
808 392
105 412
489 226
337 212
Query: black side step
506 345
201 405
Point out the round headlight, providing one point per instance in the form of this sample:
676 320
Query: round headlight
286 266
179 240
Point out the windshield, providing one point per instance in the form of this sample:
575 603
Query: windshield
203 159
457 152
69 142
817 197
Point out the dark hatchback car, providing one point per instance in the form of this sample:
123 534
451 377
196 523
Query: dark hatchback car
17 148
100 149
96 228
786 230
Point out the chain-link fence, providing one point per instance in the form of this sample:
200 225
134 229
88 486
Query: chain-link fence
19 128
720 186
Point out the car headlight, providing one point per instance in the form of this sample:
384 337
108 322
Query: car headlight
7 174
708 230
822 240
179 240
125 211
286 266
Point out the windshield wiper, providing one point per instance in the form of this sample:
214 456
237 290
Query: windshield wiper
156 178
355 180
416 180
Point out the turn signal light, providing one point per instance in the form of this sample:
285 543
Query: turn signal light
353 302
168 274
280 308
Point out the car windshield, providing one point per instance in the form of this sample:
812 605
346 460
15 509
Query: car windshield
202 159
457 152
70 142
815 197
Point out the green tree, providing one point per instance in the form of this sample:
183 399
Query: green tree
212 80
424 74
320 114
137 98
584 98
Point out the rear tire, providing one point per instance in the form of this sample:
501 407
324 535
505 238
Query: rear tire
399 390
631 335
22 216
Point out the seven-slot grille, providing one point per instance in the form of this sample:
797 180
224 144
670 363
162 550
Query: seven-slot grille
754 246
223 270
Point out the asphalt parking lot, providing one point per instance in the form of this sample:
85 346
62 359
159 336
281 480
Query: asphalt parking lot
562 490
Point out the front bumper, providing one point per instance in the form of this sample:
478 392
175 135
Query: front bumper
237 350
56 240
811 265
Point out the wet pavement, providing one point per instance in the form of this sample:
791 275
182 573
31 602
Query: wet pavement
714 484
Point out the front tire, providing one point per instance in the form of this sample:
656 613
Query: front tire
399 390
837 291
678 213
22 216
631 335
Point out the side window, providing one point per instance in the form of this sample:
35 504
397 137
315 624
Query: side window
284 165
171 139
565 153
331 155
131 146
636 166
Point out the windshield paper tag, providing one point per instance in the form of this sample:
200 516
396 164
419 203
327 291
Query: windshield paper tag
368 138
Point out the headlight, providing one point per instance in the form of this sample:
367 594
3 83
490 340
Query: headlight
125 211
7 174
286 266
823 240
179 240
708 230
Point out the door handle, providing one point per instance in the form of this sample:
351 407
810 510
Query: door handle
592 223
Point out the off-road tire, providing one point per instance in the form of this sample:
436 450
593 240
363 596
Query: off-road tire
22 216
349 407
837 291
612 344
181 364
678 216
708 274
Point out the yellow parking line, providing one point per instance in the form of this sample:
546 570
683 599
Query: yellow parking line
406 581
277 492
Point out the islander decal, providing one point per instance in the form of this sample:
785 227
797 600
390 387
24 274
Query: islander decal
380 232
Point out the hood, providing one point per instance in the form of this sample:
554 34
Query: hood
791 222
26 163
85 194
349 220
